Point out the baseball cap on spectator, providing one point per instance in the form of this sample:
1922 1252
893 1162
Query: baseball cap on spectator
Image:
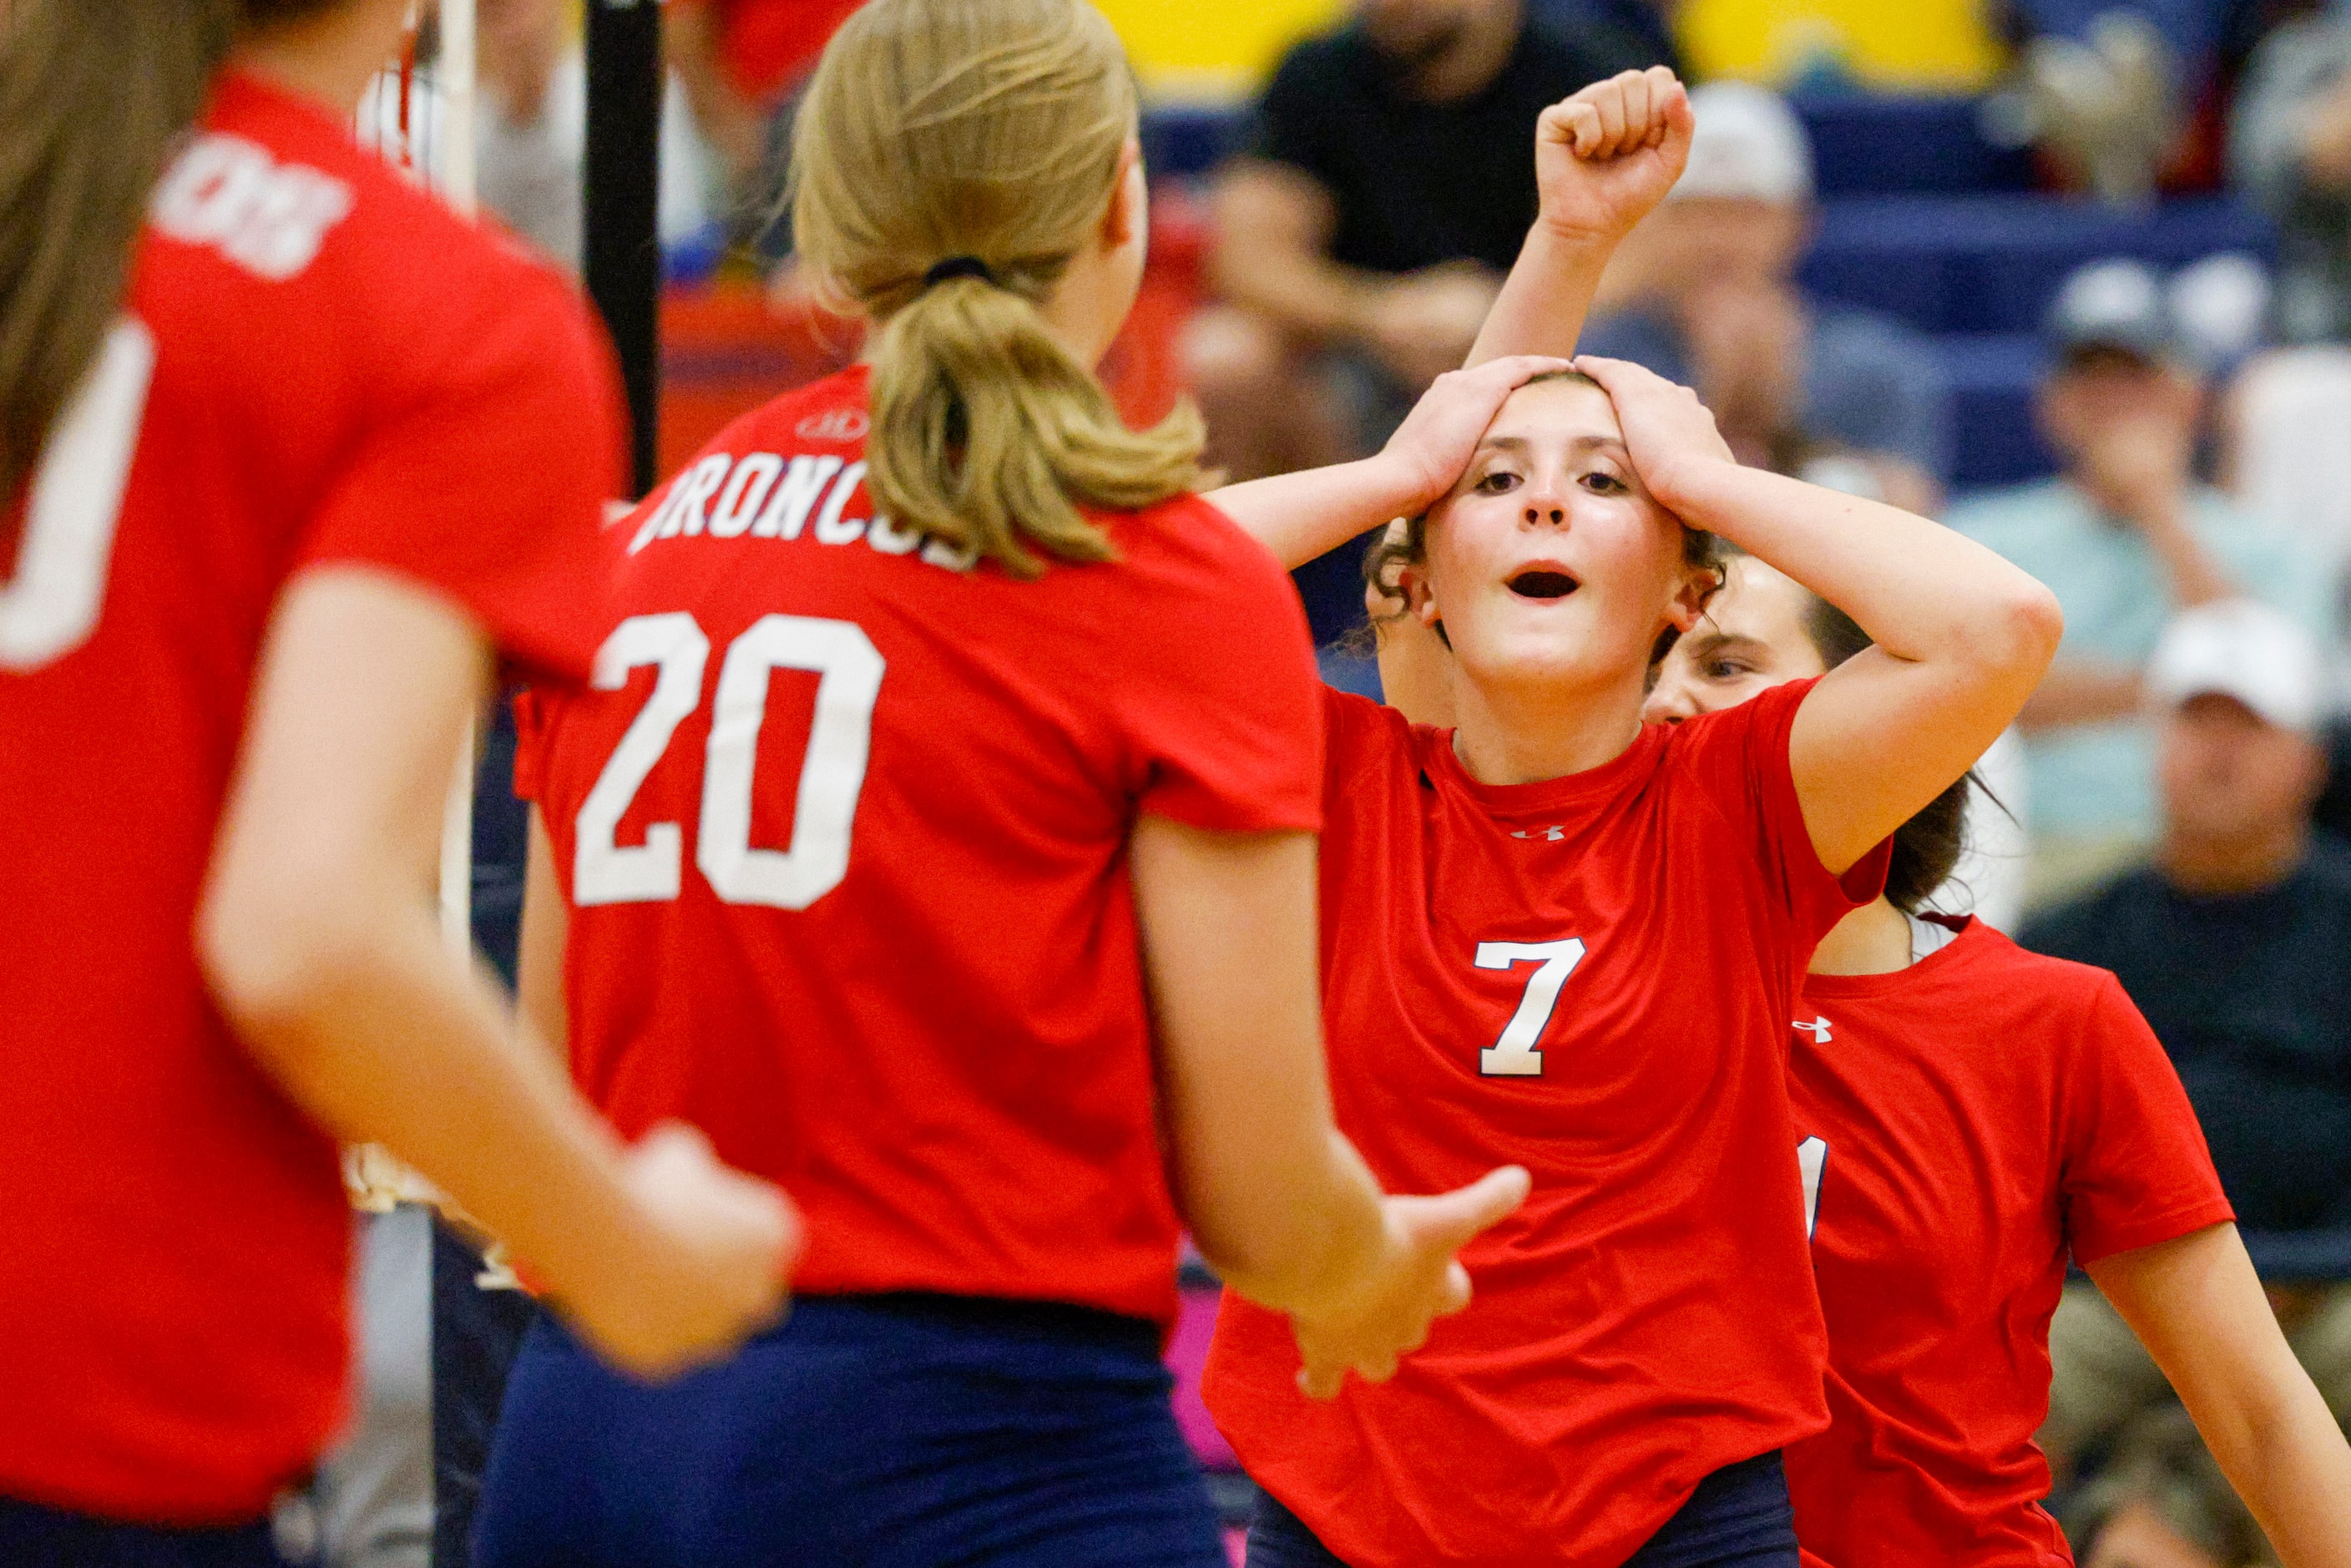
2248 651
1746 144
2220 308
2115 305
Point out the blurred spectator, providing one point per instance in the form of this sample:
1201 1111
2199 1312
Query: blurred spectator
1704 293
741 62
530 127
2231 943
2099 94
371 1501
1641 30
2283 449
2231 940
1386 183
2290 150
530 131
2123 536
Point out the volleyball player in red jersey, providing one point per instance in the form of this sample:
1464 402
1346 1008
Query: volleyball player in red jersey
289 455
909 847
1972 1114
1555 936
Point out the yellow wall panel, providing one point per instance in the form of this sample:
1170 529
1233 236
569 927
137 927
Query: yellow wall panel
1914 45
1213 49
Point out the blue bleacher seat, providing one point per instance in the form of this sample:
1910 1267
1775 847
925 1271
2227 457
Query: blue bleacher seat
1864 144
1190 139
1992 377
1919 218
1991 263
1869 145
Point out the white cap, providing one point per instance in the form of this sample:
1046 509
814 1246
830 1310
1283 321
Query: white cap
2221 307
2237 648
2117 303
1747 143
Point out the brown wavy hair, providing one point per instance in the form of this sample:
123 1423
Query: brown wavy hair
96 95
993 130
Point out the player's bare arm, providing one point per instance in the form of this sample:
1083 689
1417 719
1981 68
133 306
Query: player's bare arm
1603 159
1298 516
1962 637
321 948
2200 1309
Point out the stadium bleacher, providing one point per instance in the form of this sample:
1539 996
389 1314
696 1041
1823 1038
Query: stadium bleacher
1926 219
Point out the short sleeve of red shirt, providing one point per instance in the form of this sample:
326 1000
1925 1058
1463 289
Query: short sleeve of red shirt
484 475
2136 1169
1744 751
1217 706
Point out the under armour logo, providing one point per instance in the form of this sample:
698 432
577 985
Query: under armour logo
833 424
1554 833
1819 1028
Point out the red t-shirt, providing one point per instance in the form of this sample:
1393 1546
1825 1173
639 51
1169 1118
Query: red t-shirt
318 364
872 930
1584 976
1970 1122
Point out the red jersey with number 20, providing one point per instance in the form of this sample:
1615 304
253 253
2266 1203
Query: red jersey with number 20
843 825
1968 1122
1584 976
318 365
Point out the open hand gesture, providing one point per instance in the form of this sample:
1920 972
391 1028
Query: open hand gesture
1606 156
1417 1280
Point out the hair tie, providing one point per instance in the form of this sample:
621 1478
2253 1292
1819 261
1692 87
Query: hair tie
960 267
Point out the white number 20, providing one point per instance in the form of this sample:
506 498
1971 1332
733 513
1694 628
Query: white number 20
832 774
51 605
1514 1055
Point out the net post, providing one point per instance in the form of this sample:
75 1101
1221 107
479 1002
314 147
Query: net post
454 76
621 206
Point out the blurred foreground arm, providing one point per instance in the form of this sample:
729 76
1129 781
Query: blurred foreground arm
319 938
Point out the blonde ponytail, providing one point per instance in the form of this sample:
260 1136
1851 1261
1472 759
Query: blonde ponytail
989 129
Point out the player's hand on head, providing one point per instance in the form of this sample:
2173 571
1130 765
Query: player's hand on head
1607 155
1438 438
1418 1280
1667 431
712 1267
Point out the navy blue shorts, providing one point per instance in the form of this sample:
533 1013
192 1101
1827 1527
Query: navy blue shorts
32 1536
886 1431
1737 1518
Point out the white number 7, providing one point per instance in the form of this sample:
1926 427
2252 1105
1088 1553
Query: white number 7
1514 1055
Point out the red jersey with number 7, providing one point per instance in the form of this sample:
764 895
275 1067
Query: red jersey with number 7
1584 976
317 365
1968 1123
843 827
